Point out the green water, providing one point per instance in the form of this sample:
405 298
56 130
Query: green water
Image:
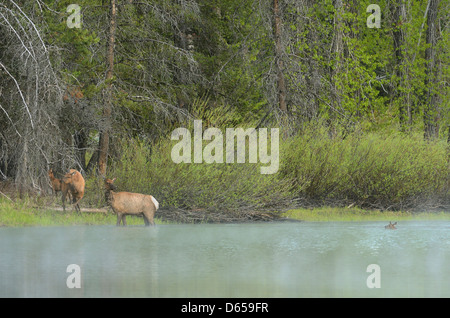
324 259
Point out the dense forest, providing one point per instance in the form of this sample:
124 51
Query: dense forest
359 90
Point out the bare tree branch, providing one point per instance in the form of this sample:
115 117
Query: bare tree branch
20 92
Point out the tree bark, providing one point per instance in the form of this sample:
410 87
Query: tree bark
431 111
281 84
338 51
399 17
81 143
107 110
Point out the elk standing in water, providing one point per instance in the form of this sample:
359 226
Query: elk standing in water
127 203
74 185
391 226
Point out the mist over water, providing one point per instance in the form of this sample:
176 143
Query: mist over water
323 259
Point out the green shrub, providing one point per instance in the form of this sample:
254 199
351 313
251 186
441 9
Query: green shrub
375 170
371 170
224 187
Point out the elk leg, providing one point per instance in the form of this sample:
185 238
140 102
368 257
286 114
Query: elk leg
75 204
148 218
147 223
124 220
63 197
119 218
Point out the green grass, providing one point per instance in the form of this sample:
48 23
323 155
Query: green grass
325 214
17 214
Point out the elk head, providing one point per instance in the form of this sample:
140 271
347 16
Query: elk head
109 184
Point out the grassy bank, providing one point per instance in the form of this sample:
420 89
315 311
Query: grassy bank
17 214
325 214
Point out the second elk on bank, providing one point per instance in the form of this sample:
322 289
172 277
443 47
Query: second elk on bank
127 203
74 184
58 185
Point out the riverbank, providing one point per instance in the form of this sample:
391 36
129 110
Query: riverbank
18 214
325 214
378 172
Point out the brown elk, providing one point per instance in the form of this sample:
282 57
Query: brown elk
57 184
127 203
74 185
391 226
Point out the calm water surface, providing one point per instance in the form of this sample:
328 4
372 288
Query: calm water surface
324 259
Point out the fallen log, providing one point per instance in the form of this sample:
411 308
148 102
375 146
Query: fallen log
179 215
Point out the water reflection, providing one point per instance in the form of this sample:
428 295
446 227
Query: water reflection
234 260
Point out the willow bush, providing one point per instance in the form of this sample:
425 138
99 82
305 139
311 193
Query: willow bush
371 170
205 187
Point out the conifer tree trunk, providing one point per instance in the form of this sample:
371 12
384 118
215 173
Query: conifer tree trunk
431 111
338 51
399 17
107 110
281 84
